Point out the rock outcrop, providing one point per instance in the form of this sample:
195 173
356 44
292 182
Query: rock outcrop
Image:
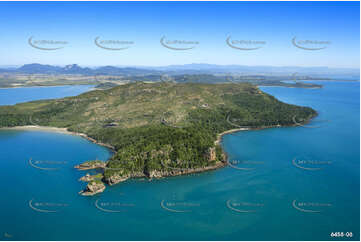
185 171
88 177
211 154
93 188
89 165
116 178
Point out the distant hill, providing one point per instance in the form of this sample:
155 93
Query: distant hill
182 70
78 70
38 69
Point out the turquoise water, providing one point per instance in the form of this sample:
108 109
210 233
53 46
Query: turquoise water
260 200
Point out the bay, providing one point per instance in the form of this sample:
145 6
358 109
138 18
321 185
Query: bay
269 200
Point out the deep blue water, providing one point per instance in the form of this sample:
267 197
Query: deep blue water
265 194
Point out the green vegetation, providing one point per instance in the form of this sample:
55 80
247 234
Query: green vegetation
159 126
96 181
107 80
105 85
91 163
98 176
258 80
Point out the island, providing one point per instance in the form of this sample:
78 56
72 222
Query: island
158 129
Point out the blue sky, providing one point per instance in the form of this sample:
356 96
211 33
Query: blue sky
145 23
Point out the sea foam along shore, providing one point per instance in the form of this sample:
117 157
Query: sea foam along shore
58 130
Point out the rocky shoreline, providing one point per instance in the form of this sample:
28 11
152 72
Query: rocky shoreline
91 165
93 188
94 141
95 182
115 179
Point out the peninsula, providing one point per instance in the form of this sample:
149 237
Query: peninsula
158 129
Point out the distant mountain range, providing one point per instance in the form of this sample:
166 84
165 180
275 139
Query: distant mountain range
181 69
257 69
76 69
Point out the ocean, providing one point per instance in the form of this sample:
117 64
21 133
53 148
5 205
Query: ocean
288 183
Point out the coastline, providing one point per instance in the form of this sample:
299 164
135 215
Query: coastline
60 85
218 165
220 136
66 131
58 130
155 174
112 148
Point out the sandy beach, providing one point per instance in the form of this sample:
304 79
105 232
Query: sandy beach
219 136
39 128
65 131
57 130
